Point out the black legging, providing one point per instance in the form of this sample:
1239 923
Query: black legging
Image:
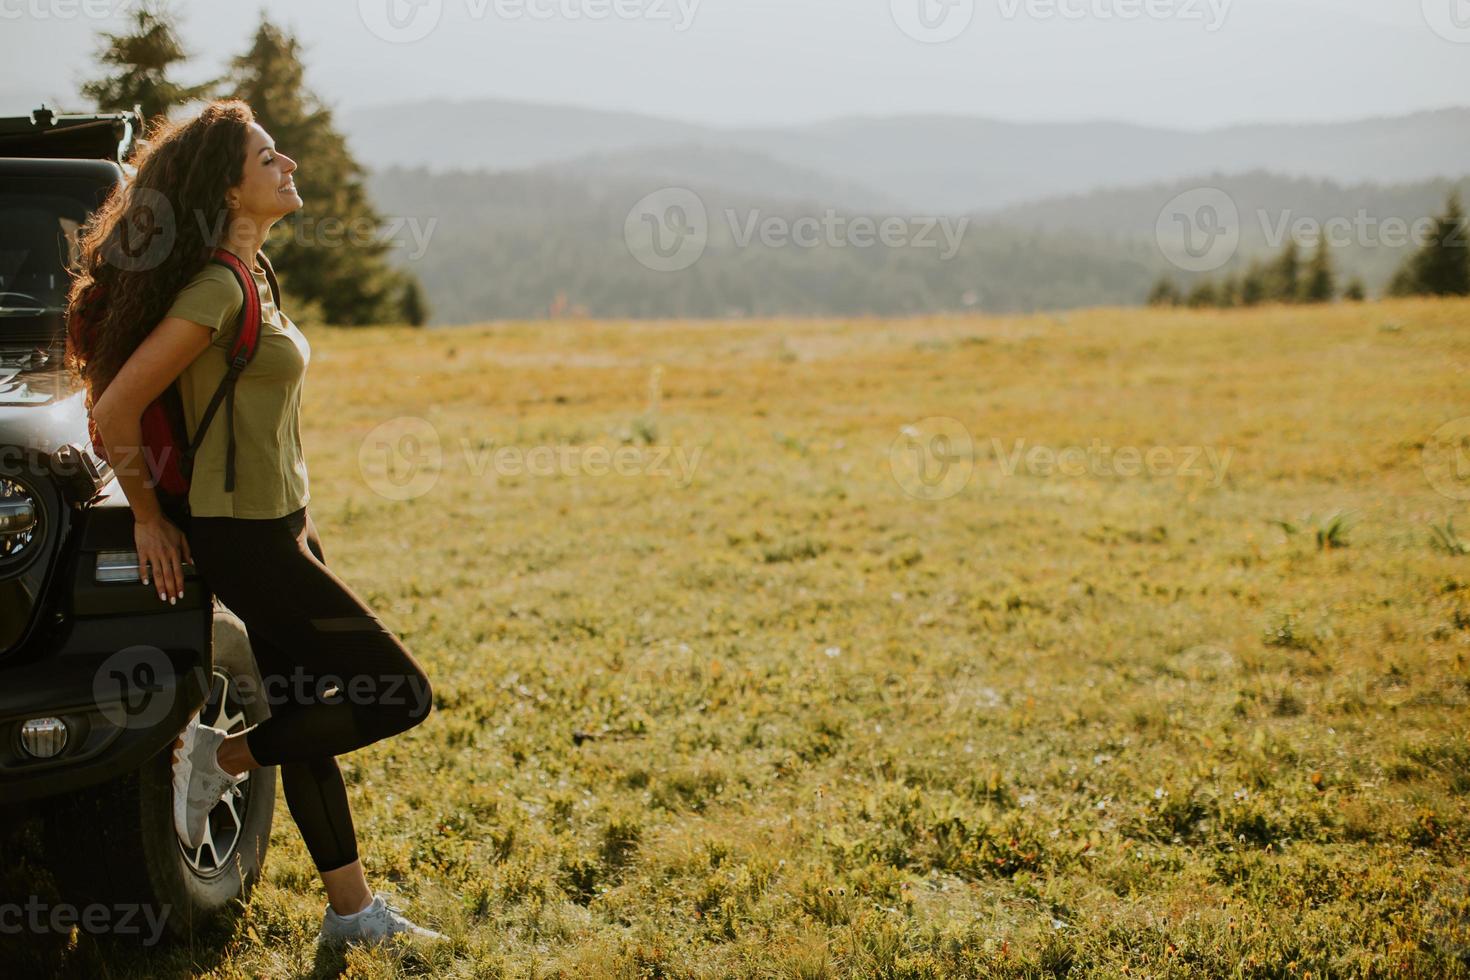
311 634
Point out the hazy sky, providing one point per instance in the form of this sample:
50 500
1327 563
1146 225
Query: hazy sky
1184 63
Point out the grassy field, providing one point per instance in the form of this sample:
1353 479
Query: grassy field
857 699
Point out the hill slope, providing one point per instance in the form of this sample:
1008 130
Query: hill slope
935 163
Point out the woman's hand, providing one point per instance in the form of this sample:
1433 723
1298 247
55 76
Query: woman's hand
162 548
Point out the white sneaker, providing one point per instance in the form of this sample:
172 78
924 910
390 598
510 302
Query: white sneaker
199 782
376 924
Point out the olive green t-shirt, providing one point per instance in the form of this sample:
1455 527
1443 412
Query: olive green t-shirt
270 470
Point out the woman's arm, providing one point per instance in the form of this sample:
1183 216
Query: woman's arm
161 358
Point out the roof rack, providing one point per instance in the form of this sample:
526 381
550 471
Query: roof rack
87 136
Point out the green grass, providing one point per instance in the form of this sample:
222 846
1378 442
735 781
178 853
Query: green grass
789 720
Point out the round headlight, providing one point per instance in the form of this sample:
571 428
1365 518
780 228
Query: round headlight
20 522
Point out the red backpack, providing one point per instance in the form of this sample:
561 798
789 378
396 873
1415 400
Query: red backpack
167 449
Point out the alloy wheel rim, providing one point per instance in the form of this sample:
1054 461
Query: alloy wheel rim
226 824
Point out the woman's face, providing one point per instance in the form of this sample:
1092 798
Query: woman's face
266 191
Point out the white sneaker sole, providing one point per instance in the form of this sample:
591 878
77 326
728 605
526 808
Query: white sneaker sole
203 770
183 770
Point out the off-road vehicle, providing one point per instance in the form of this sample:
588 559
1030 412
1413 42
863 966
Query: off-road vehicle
97 675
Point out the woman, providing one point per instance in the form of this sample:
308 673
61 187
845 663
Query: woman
219 181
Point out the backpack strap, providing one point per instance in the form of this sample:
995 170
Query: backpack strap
242 351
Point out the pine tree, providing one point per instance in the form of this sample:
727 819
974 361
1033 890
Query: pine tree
329 249
1320 286
1229 293
1203 294
1164 293
140 63
413 309
1253 285
1442 266
1403 282
1356 291
1286 274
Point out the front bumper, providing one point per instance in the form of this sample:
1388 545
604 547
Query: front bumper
122 669
124 687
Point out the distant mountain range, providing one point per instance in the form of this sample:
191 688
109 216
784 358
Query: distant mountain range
522 244
530 205
920 163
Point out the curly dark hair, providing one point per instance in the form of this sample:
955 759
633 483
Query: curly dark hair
152 235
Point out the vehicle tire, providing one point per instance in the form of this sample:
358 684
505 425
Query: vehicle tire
116 843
